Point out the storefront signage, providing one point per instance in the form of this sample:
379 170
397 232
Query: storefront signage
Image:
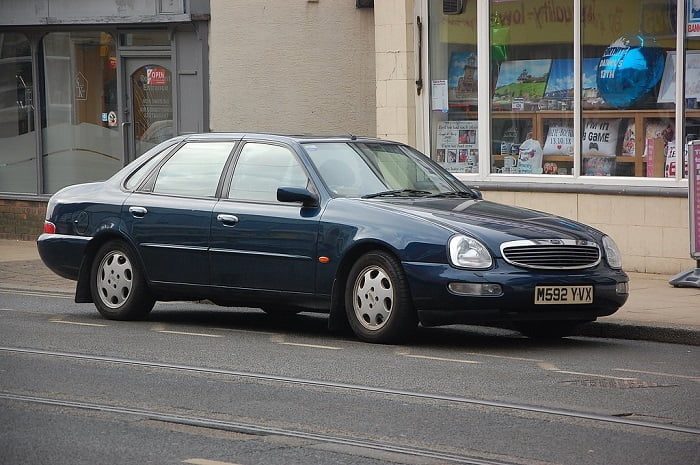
694 199
548 21
155 76
693 24
81 87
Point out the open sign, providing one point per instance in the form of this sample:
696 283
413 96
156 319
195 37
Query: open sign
155 76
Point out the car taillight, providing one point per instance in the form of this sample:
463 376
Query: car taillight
49 227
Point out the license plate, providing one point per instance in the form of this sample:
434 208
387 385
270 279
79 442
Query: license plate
563 295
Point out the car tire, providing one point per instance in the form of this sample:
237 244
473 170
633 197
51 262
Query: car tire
378 304
547 329
118 287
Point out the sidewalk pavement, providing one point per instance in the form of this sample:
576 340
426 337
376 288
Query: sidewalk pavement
655 310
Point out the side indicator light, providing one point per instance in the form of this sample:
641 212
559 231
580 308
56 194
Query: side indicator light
324 259
49 227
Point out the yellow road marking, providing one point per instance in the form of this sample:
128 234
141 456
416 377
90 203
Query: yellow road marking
440 359
77 323
207 462
673 375
553 368
521 359
187 333
313 346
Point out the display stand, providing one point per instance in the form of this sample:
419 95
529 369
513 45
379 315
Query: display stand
692 278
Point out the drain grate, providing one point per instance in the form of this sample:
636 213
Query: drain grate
615 383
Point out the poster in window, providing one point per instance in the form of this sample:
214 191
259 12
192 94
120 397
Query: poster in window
667 92
521 81
559 93
456 147
463 78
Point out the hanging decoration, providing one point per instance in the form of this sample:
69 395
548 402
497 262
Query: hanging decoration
629 70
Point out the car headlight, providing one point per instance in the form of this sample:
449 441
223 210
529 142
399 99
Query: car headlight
467 252
612 253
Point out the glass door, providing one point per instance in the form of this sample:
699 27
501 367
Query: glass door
149 104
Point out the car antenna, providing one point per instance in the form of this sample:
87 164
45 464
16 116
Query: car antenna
352 136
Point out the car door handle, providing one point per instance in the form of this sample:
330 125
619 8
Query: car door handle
227 220
138 212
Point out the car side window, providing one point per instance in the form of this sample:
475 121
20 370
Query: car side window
261 169
140 174
194 170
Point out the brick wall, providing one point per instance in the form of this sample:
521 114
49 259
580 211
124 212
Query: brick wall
21 219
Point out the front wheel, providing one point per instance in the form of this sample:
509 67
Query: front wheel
118 287
377 300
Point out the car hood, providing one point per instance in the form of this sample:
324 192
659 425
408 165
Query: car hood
492 222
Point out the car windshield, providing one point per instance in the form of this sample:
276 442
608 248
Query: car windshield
377 170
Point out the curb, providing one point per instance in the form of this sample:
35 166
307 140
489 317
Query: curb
641 332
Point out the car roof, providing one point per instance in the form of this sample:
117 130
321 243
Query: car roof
299 138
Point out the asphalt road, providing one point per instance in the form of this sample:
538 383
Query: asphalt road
206 385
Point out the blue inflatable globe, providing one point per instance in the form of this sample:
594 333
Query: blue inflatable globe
629 69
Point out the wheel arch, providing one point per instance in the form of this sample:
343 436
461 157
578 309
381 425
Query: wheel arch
338 319
82 289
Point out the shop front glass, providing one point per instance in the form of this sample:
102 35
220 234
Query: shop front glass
18 166
532 87
628 126
627 87
454 87
81 140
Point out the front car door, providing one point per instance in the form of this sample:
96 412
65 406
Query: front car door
258 243
170 216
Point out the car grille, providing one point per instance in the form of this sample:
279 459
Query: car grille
551 254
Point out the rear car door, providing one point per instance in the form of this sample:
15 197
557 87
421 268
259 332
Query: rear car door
257 242
169 217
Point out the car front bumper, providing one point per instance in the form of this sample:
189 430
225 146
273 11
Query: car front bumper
437 305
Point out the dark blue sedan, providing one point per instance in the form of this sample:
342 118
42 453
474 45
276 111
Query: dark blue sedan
370 231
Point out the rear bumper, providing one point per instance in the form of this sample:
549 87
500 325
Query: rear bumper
436 305
63 254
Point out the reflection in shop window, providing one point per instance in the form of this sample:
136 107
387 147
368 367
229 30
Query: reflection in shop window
18 169
532 88
81 139
454 78
628 120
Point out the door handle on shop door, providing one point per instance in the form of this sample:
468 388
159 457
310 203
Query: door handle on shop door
138 212
227 220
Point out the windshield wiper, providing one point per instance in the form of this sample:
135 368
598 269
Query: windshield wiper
458 194
397 193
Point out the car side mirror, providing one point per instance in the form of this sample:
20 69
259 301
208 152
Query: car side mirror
297 194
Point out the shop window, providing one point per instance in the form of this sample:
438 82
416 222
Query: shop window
18 167
81 139
628 99
454 77
532 84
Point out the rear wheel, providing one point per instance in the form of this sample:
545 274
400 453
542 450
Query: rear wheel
377 300
118 287
547 329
